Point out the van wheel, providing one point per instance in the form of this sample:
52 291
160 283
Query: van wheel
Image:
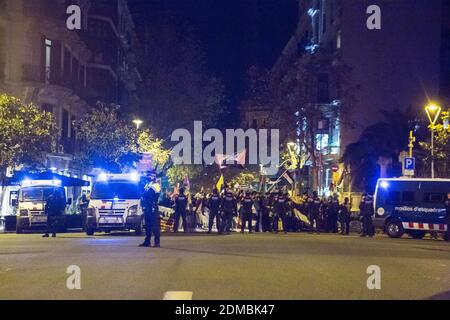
90 231
394 229
416 234
138 230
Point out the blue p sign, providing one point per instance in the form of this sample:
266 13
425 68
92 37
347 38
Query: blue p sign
409 164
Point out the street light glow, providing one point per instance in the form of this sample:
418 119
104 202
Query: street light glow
138 123
433 111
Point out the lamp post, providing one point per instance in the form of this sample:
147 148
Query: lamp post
433 111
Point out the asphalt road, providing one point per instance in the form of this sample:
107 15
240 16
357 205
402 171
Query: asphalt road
258 266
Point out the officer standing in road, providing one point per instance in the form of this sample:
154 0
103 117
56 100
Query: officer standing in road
332 216
280 211
54 208
314 205
247 212
213 205
181 202
447 207
265 212
229 207
149 203
344 217
367 211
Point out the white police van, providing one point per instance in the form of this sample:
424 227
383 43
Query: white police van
115 204
33 196
412 206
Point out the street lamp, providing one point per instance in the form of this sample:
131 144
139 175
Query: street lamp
433 111
138 123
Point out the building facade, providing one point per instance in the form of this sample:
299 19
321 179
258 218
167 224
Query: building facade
397 66
64 71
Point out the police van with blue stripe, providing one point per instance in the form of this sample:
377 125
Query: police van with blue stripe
411 206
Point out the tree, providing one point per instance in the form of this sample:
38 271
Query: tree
178 88
376 152
26 133
106 140
441 147
147 143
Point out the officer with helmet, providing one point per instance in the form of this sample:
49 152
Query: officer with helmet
367 211
149 202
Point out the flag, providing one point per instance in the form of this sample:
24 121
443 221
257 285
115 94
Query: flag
187 183
220 183
222 160
288 178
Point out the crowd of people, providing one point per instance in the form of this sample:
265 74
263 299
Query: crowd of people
264 212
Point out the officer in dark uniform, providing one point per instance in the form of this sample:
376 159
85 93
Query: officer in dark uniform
213 205
447 207
229 207
367 211
54 208
280 211
149 203
265 212
247 212
314 205
332 214
181 202
344 217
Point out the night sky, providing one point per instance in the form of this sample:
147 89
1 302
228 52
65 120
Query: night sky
235 34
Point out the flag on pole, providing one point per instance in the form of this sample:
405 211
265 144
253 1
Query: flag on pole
288 178
220 183
187 183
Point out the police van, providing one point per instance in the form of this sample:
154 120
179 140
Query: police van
32 198
412 206
115 204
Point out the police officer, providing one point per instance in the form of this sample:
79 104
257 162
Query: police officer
181 202
280 211
247 212
149 203
367 211
344 217
265 212
229 207
54 208
447 207
314 205
332 214
213 205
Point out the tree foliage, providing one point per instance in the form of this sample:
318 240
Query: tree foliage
106 140
179 89
378 149
26 133
441 147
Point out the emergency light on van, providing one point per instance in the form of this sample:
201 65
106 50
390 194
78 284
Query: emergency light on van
384 184
29 183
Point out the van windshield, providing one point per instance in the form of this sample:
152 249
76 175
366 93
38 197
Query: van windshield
111 190
35 193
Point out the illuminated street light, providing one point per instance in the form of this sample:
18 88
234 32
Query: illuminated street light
433 111
138 123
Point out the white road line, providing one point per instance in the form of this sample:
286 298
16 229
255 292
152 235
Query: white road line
178 295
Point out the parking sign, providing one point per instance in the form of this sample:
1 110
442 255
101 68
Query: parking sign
409 166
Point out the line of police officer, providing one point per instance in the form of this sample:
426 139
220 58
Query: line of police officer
269 210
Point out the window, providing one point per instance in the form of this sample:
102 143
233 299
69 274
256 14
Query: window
48 60
408 197
339 39
393 197
65 124
435 197
47 108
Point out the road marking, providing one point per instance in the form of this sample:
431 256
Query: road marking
178 295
